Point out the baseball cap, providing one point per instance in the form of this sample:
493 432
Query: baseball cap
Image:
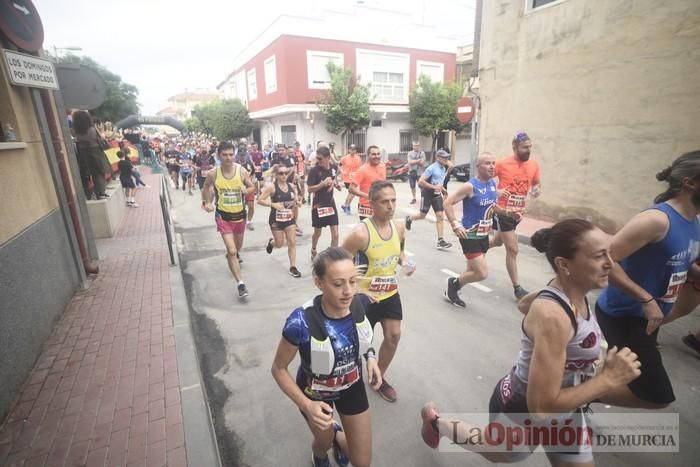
520 137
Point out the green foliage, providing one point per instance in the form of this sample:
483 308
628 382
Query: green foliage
433 107
346 104
227 119
121 99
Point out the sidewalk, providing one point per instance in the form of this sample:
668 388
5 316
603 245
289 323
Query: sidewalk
105 390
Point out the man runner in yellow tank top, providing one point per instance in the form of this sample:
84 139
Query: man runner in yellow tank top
377 242
224 193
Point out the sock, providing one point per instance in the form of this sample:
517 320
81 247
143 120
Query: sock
240 282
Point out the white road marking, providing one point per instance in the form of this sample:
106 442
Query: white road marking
476 285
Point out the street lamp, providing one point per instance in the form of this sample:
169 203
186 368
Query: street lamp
72 48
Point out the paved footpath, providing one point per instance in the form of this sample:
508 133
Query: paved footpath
105 390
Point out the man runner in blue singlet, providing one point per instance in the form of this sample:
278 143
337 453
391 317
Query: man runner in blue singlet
478 197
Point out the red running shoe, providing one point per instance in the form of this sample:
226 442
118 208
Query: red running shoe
430 435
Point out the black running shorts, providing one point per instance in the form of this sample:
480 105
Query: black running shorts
389 308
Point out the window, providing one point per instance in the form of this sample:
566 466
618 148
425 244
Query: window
532 4
252 85
359 139
387 86
289 134
270 75
406 139
433 70
387 74
376 123
317 72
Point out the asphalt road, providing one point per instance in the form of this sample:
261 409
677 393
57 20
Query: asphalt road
450 355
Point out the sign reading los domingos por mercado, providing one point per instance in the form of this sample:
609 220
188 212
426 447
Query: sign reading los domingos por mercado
31 71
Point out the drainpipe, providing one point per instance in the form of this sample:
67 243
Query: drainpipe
55 132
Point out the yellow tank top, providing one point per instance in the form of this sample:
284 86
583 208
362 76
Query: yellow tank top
230 201
381 258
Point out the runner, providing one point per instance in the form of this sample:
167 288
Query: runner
378 245
478 198
432 190
330 375
654 249
517 175
257 157
321 181
348 166
557 369
125 171
203 162
371 171
416 164
228 185
300 169
281 197
186 171
173 164
244 159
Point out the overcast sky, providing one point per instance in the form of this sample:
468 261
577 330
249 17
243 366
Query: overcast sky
165 46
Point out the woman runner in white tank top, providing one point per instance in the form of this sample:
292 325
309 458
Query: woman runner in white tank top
554 375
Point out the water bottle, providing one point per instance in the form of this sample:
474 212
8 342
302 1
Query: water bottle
408 267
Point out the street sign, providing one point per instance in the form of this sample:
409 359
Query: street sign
30 71
82 87
465 109
20 22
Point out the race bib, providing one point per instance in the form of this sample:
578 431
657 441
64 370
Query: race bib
232 199
484 228
516 202
325 211
674 286
383 284
337 383
365 211
284 215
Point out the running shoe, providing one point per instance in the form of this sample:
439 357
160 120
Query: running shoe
242 291
452 293
249 226
691 342
413 201
294 272
387 392
269 246
340 458
519 292
134 204
316 462
442 244
240 260
408 222
429 430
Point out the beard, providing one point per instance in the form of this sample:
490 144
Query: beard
524 157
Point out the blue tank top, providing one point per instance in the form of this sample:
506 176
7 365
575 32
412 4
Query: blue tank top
660 268
477 211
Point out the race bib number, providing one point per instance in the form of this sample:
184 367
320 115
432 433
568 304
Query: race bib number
383 284
232 199
516 202
484 228
336 383
284 215
365 211
325 211
674 286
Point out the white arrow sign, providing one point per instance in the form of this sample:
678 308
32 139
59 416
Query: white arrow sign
21 8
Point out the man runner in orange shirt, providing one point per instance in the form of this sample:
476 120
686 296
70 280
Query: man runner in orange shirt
370 172
348 166
517 176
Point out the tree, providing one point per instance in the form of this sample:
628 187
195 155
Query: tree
227 119
121 98
433 108
346 104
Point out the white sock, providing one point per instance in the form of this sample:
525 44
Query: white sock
240 282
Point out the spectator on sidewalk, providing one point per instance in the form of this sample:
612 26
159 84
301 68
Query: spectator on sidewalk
125 177
92 161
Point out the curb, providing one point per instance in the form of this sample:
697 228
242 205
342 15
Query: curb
200 439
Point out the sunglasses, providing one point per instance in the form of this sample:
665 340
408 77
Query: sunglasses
283 173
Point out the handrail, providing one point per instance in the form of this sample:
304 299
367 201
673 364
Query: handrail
167 221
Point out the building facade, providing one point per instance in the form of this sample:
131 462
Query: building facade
281 78
181 105
608 91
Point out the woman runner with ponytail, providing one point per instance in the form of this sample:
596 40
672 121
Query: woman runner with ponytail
653 255
556 372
